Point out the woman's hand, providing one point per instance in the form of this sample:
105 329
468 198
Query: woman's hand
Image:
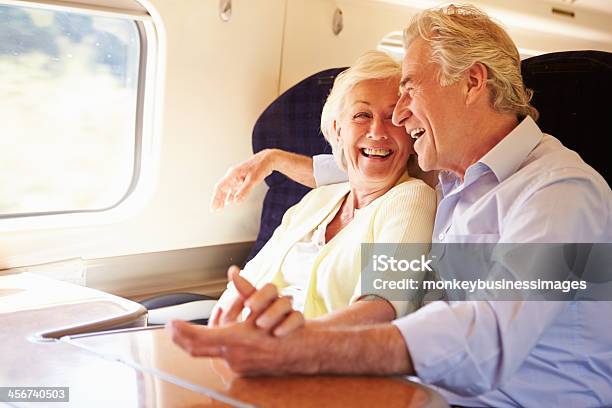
268 310
270 317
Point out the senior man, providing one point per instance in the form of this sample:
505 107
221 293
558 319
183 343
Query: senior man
501 180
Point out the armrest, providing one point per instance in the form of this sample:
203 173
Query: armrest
191 311
183 306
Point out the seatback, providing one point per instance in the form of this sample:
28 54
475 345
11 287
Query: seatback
573 93
291 123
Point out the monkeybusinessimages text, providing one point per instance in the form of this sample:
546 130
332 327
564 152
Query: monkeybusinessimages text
385 263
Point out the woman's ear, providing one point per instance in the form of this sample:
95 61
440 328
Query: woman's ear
337 131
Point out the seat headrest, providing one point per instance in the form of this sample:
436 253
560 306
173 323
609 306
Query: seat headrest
292 121
573 93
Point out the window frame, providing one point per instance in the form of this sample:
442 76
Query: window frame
146 130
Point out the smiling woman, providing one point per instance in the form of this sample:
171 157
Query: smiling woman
371 144
314 255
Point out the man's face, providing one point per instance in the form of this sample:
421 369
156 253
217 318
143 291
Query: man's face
432 114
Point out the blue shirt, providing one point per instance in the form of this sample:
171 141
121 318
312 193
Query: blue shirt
528 188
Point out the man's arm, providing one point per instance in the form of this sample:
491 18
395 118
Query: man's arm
255 346
249 350
240 179
473 347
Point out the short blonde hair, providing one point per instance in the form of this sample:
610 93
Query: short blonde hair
371 65
462 35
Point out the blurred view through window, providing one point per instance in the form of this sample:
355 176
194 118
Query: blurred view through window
68 96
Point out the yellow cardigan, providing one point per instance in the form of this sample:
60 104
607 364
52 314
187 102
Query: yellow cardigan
404 214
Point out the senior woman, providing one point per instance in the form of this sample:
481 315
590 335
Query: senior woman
314 255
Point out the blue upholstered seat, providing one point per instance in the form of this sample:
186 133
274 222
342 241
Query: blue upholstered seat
573 93
290 123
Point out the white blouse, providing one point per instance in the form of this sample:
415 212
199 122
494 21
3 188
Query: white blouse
298 262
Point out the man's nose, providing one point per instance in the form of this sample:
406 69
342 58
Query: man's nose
401 112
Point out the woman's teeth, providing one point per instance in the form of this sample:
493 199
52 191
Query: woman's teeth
375 152
416 133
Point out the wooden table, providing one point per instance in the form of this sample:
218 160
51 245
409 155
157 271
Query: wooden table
143 368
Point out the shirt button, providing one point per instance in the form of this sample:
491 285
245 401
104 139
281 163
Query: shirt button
441 237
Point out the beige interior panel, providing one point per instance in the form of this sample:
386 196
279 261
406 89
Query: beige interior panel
311 46
219 78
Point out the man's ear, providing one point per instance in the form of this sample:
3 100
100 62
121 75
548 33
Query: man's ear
477 76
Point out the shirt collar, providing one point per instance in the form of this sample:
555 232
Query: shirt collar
446 182
506 157
502 160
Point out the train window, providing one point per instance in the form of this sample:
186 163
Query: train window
69 109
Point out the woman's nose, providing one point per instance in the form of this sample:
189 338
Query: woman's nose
377 129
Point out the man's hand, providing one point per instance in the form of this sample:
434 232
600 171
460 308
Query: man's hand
250 347
273 340
249 350
240 179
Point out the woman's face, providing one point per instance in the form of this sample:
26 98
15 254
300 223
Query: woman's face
376 151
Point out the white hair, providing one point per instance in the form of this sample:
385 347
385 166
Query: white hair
462 35
371 65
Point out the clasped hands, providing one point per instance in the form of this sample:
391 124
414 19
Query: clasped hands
251 346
